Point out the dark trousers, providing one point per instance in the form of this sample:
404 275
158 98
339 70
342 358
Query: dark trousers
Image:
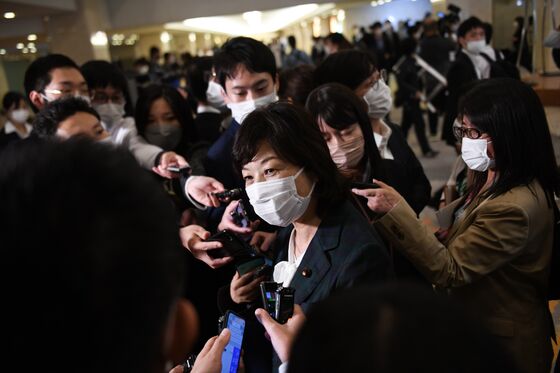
433 119
412 115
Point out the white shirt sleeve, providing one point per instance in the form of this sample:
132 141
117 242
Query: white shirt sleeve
283 368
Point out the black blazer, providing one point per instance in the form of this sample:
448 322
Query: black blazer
461 72
345 251
405 173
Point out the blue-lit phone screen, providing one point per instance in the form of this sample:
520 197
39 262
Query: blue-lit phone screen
232 352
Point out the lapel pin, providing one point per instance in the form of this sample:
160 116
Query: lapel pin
306 272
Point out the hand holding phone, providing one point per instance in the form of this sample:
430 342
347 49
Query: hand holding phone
278 301
231 355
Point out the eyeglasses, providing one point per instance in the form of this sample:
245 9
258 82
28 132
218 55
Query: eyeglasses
461 131
103 98
66 92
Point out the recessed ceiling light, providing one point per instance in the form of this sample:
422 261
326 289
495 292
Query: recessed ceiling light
9 15
31 37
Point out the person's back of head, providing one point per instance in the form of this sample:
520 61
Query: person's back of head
394 328
38 74
349 68
92 263
198 73
339 40
296 83
48 120
253 55
292 41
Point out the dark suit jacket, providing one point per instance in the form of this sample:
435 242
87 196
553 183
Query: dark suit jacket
219 161
461 72
345 251
405 173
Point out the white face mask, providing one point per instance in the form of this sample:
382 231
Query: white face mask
20 115
240 110
379 101
475 154
214 95
110 113
277 201
476 46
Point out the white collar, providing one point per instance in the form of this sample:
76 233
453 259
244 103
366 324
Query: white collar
386 132
206 109
9 127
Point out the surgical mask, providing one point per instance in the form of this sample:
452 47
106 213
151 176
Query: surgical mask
476 46
166 136
475 154
110 113
143 70
379 100
277 201
214 95
20 115
240 110
348 154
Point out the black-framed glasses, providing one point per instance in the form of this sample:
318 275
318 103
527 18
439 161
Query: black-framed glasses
461 131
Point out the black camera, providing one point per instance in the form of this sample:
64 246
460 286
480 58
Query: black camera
229 195
278 301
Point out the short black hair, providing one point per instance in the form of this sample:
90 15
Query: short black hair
289 130
250 53
367 329
178 106
92 263
511 113
375 25
338 39
292 41
467 25
101 74
340 108
12 99
198 73
296 83
348 67
48 119
37 75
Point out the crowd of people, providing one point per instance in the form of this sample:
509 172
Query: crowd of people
112 195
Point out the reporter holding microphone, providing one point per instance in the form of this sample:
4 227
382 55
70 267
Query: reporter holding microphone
494 254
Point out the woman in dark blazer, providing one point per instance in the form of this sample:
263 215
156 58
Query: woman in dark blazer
326 245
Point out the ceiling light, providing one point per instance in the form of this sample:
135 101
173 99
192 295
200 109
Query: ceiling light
2 51
30 45
9 15
192 37
165 37
20 45
25 51
99 39
374 4
31 37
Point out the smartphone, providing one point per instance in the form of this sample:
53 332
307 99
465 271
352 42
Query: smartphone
364 185
228 195
268 295
232 353
240 216
284 307
231 245
179 170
